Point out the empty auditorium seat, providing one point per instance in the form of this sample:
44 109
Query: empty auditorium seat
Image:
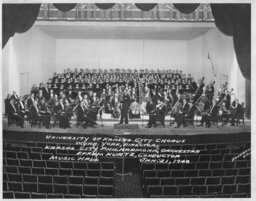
205 173
244 171
94 172
11 169
5 177
182 181
197 180
65 171
15 177
38 195
217 157
204 157
5 187
51 171
75 189
228 164
218 172
199 189
36 149
214 189
227 180
60 179
170 190
94 165
34 155
108 165
60 188
80 165
91 190
30 187
15 186
11 154
154 190
216 165
149 173
52 164
177 173
241 164
166 181
230 172
106 181
39 163
66 164
202 165
228 189
185 190
29 178
244 188
44 179
46 156
163 173
191 173
25 170
21 195
79 172
45 188
240 195
8 194
38 170
26 162
75 180
242 179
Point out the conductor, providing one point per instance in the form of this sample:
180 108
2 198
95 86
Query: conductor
125 104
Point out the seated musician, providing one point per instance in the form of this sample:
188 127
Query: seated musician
13 114
43 107
183 112
20 107
212 113
237 110
37 115
224 112
151 110
82 115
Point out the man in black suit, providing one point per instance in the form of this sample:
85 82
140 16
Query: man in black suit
211 114
21 108
182 113
38 116
125 104
151 110
13 114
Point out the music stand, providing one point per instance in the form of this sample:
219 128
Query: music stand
122 174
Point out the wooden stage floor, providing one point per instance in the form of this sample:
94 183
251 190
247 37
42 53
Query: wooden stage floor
108 129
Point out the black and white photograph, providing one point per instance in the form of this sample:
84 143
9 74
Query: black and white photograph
128 99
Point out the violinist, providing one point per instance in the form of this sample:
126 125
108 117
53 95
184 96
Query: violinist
182 113
151 110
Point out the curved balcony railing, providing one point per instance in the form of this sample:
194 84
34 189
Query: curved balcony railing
125 12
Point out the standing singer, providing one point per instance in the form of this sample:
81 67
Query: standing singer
125 104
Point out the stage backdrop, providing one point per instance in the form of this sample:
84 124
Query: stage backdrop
39 55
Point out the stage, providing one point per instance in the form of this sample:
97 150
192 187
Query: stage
134 128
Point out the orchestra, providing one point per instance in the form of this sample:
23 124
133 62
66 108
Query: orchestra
86 94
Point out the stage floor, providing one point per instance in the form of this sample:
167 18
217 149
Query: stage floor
138 129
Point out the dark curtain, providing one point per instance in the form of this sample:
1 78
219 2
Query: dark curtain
145 6
64 7
186 8
17 18
104 6
235 20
